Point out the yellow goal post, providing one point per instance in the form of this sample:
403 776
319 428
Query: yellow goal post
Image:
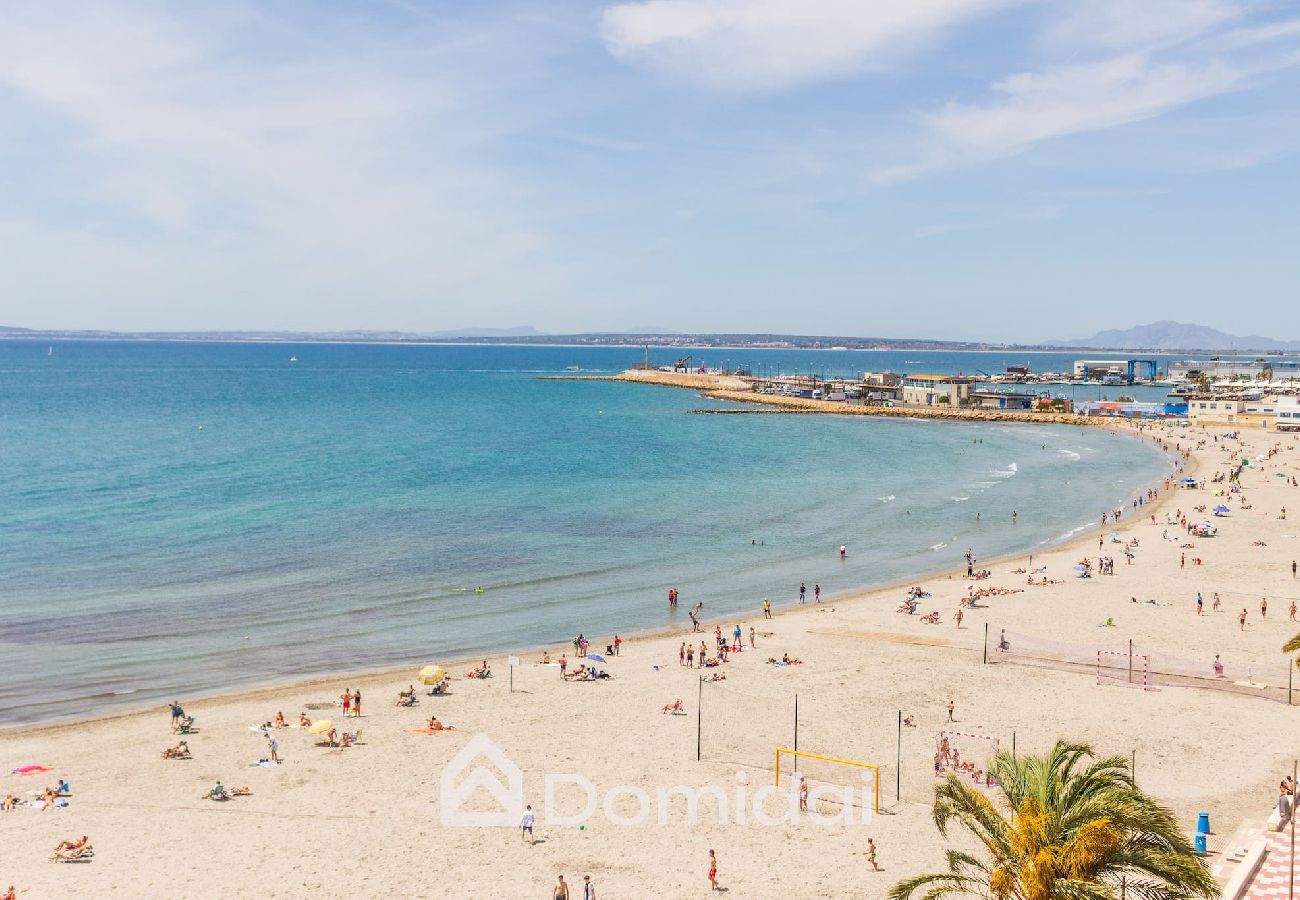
831 759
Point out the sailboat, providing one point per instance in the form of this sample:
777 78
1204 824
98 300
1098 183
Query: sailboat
50 352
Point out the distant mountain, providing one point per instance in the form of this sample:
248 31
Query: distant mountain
1168 335
516 331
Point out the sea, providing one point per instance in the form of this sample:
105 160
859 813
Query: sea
180 519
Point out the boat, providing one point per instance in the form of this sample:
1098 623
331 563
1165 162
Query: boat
573 368
293 359
50 352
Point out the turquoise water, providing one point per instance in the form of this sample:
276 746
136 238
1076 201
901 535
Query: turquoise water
337 512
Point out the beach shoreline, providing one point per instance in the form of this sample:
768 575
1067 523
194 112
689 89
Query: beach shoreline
370 677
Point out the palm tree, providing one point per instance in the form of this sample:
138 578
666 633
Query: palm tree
1292 646
1076 827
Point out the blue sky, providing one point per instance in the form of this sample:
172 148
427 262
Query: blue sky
961 169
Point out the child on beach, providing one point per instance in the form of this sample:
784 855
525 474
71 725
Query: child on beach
871 854
713 871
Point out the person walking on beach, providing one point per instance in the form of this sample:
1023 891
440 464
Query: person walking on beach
526 825
817 593
1242 618
767 608
753 644
802 590
1218 667
803 794
1263 608
564 664
588 889
958 617
561 889
1200 604
681 654
951 707
713 871
1217 602
871 854
1292 610
1293 568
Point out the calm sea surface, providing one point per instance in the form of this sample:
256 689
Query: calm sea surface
181 518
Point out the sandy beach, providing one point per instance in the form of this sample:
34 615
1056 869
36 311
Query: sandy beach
367 820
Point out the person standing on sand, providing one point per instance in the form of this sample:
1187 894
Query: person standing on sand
690 656
753 644
1293 568
1217 602
1292 610
356 704
1242 618
713 871
347 701
1200 604
564 664
817 593
958 617
274 746
951 707
767 608
561 890
1263 608
526 825
588 889
871 854
681 654
802 590
803 794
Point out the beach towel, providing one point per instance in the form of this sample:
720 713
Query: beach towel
427 730
31 770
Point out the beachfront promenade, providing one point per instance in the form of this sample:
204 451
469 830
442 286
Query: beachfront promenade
366 820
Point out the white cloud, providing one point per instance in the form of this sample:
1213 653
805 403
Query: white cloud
1116 90
1122 25
764 44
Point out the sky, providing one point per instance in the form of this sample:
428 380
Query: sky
1016 170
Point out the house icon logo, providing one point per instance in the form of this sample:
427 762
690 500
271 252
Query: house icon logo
472 770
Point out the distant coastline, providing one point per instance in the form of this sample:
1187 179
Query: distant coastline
702 341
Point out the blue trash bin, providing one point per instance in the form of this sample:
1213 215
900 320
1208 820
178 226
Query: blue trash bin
1203 823
1200 844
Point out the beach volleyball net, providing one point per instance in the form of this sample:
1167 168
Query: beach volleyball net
1267 678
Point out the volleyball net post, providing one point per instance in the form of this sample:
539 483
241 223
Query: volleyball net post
875 769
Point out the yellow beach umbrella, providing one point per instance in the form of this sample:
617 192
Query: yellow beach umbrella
320 726
432 674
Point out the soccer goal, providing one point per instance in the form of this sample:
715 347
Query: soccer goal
966 755
827 769
1123 667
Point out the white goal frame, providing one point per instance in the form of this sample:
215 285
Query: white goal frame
1136 660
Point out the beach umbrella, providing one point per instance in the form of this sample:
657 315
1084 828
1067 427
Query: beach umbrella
320 727
432 675
1081 568
1221 509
